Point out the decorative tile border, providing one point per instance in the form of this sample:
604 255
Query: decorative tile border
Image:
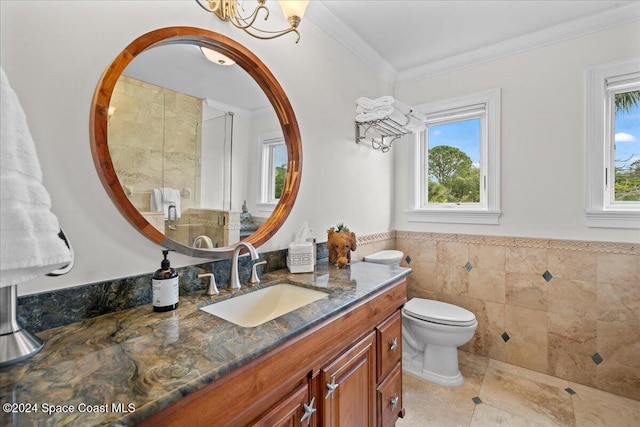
374 238
529 242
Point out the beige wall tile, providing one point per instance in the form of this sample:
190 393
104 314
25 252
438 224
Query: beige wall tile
591 304
619 343
452 279
526 290
572 297
487 256
487 284
422 249
573 367
573 334
490 316
618 379
525 260
453 253
527 355
488 345
619 303
618 269
568 264
526 325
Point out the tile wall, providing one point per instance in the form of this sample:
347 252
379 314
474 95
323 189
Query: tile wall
570 309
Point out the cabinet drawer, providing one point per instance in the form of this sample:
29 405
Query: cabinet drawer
390 398
389 344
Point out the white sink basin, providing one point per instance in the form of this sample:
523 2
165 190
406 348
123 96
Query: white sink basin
258 307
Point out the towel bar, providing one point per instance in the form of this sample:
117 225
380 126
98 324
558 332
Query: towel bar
386 132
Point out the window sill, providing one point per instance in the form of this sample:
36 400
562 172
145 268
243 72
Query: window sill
613 218
454 216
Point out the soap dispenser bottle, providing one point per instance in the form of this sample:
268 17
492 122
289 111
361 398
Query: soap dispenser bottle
165 286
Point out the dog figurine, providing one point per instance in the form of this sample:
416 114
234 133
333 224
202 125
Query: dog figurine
340 243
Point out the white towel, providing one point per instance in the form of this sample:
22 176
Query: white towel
366 105
30 246
383 113
163 198
372 104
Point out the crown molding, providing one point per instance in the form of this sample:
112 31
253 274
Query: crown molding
333 26
557 33
544 37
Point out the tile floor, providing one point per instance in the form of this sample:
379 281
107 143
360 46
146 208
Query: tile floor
511 396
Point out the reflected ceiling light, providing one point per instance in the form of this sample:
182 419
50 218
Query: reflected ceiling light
216 57
230 10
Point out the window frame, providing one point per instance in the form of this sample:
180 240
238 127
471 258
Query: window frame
451 110
268 143
602 83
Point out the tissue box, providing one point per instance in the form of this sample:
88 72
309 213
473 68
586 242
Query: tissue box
300 257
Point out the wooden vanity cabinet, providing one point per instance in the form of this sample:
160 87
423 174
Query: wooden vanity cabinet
350 387
352 349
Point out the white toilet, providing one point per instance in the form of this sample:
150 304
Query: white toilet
432 331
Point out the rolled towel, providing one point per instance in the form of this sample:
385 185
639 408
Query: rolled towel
372 104
383 113
402 107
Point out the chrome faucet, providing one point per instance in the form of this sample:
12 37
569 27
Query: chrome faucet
235 280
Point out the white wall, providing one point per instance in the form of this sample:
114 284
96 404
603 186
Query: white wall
54 53
543 135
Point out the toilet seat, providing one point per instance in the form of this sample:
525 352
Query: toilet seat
439 312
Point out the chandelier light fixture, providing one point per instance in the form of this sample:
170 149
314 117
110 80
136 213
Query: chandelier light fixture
232 11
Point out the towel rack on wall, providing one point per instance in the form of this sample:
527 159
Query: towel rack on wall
381 133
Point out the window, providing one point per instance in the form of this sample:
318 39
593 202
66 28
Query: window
613 145
274 168
456 174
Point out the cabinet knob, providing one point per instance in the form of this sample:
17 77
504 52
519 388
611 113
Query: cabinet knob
308 411
394 401
393 344
331 387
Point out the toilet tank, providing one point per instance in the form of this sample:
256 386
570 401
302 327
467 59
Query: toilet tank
387 257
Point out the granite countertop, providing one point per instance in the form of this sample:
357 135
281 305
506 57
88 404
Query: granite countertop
119 368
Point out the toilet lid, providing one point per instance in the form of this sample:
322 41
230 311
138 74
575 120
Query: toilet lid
439 312
388 256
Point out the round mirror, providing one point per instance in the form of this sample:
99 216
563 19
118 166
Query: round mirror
192 137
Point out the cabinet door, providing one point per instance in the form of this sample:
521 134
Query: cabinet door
294 410
389 341
390 398
349 385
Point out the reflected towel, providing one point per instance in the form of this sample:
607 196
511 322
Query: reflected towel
30 246
163 198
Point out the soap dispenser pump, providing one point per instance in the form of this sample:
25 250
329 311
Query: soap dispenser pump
165 286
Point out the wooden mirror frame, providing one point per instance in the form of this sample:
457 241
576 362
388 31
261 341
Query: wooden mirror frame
98 125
